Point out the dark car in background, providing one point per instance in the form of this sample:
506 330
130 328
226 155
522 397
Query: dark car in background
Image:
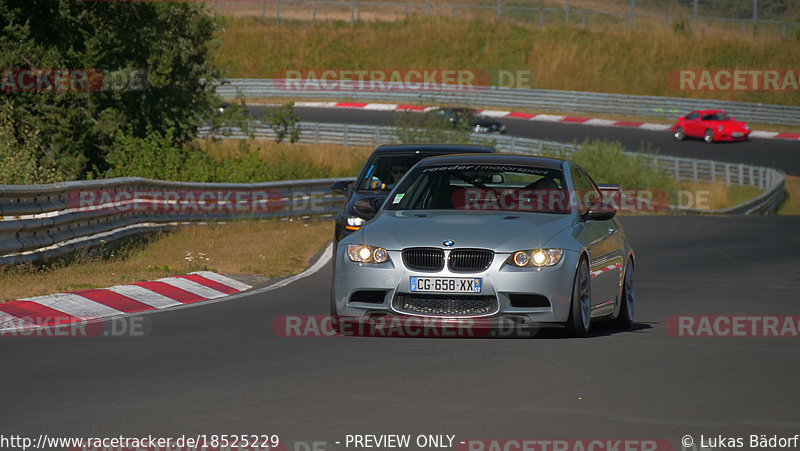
384 168
478 122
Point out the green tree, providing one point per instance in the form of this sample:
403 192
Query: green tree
154 61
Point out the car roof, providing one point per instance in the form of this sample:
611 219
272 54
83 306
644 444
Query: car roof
708 111
411 149
497 158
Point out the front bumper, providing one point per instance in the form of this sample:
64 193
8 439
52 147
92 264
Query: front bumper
503 283
727 135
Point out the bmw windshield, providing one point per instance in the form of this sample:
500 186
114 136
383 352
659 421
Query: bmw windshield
483 187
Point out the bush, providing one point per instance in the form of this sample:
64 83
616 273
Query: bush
22 159
413 128
606 163
157 157
284 122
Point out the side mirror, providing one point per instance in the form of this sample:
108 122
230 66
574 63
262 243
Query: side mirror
366 208
599 211
341 186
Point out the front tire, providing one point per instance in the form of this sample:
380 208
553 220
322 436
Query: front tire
709 137
679 135
626 303
579 320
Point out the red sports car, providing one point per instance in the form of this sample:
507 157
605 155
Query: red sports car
711 125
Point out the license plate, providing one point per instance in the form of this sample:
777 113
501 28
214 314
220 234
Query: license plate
445 285
737 134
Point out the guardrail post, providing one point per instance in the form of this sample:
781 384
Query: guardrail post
429 8
316 133
694 171
513 143
277 11
713 172
264 9
377 135
345 135
499 6
676 170
741 174
633 13
727 174
541 18
314 14
752 179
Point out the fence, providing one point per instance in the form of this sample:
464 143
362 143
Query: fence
632 15
535 99
44 221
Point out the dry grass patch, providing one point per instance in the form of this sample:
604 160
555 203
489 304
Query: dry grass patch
715 196
791 206
267 248
610 60
342 161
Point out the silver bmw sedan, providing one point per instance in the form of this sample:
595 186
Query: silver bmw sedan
494 237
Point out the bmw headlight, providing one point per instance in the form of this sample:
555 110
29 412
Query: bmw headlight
363 253
746 127
354 223
719 128
536 257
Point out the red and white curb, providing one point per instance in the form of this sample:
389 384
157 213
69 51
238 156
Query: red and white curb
85 305
531 117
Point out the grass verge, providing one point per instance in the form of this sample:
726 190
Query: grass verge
791 206
266 248
609 60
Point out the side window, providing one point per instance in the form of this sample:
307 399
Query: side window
692 116
585 190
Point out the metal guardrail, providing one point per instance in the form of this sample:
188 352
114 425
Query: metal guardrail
45 221
493 96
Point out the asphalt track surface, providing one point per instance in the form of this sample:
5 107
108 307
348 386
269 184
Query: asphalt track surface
220 368
777 153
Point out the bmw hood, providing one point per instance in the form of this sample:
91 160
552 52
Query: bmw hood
499 231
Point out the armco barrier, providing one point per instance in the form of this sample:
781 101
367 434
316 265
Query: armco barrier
40 221
534 99
43 221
